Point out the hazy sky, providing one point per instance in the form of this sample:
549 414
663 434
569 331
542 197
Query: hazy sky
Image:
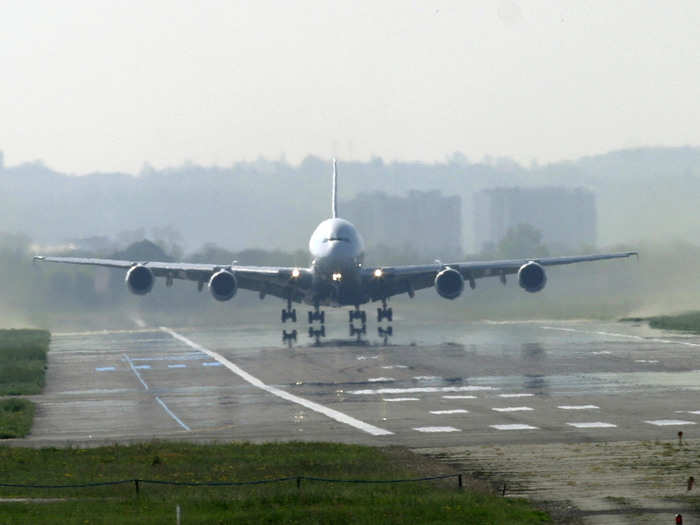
94 85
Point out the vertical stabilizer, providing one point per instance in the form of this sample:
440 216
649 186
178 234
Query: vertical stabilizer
334 203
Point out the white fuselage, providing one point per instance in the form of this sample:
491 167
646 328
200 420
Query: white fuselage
338 252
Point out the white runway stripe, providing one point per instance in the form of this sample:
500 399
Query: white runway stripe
391 367
105 369
311 405
460 397
454 411
416 390
626 336
578 407
397 399
215 363
514 427
171 414
380 379
668 422
515 395
593 424
513 409
177 366
142 367
437 429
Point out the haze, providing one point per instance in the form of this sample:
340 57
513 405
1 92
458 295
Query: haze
108 86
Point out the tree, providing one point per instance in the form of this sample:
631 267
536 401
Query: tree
523 240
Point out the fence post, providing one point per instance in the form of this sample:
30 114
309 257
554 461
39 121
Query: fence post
136 484
299 482
459 481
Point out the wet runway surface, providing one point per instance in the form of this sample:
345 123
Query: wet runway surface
453 384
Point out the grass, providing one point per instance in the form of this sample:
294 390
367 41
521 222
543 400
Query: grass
22 361
688 322
16 417
314 502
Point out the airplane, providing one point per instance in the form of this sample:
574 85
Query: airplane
337 275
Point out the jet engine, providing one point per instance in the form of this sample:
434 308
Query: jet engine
223 285
449 283
531 277
139 279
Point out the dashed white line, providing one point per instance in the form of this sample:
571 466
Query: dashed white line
380 380
437 429
513 409
514 427
398 399
669 422
391 367
578 407
177 366
311 405
426 389
426 378
142 367
105 369
454 411
214 363
647 361
592 424
515 395
460 397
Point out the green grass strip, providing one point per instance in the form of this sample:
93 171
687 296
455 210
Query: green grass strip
688 322
16 417
22 361
436 501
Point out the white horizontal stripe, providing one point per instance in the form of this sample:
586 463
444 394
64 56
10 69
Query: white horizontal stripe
390 367
513 427
515 395
105 369
416 390
594 424
454 411
390 399
311 405
578 407
437 429
142 367
380 379
667 422
177 366
513 409
211 364
460 397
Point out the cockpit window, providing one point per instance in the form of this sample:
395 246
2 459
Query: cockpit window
344 239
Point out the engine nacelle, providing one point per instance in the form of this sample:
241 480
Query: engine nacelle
449 283
223 285
532 277
139 279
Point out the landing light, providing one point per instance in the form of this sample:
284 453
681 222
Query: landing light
378 273
296 273
337 276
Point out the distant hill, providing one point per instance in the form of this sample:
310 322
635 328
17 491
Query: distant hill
645 193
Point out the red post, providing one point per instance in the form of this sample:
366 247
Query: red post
679 519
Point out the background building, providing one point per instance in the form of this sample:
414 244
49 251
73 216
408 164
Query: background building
565 216
426 223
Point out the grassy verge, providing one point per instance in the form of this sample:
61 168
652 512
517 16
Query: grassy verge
313 502
16 417
22 361
688 322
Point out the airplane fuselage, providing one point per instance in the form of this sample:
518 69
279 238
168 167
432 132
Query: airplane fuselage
338 253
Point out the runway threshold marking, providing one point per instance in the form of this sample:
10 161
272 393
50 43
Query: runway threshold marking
592 424
437 429
514 427
668 422
311 405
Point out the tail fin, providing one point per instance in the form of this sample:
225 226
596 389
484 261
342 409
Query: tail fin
334 203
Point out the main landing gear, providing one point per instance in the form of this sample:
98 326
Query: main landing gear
385 313
291 314
361 316
317 315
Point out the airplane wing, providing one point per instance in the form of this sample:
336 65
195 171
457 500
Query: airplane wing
273 280
386 281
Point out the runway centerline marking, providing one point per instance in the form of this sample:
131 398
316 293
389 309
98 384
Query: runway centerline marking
513 409
397 399
516 395
453 411
460 397
417 390
105 369
311 405
578 407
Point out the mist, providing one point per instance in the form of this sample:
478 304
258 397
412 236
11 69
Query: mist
264 212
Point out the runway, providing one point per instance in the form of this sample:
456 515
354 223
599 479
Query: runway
433 385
